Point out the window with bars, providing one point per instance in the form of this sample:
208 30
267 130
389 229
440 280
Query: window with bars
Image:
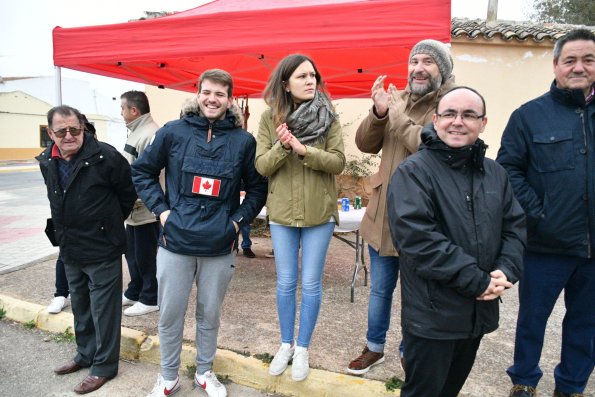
44 137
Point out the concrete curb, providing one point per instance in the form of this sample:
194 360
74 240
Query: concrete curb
18 168
247 371
31 263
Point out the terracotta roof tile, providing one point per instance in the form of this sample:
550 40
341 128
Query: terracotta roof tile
509 30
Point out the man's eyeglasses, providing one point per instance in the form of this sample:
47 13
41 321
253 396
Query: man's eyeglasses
465 116
61 133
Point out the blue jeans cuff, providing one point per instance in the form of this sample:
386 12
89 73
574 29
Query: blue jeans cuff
375 347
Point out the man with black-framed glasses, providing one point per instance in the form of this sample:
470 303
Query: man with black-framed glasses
91 193
460 234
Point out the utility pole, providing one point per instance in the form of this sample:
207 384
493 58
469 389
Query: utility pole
492 11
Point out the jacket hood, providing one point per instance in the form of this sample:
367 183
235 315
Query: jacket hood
190 106
472 155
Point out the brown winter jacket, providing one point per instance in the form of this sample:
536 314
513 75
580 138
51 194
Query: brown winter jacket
398 135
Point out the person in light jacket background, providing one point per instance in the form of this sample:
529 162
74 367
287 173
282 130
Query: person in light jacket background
142 227
300 149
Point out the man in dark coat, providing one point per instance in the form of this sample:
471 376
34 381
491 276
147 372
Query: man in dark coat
460 234
206 156
547 149
91 193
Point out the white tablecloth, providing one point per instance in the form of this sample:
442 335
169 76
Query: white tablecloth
349 220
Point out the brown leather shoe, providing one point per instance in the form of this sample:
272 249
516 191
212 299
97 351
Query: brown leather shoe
365 361
248 253
67 368
91 383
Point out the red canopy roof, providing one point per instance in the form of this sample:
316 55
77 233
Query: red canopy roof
351 41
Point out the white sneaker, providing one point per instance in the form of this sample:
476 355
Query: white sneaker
281 359
57 304
300 366
126 301
138 309
209 383
164 388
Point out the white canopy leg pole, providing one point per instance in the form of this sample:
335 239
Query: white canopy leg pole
58 82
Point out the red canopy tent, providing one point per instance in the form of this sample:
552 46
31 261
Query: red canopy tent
351 41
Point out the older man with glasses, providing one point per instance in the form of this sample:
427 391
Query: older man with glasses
90 192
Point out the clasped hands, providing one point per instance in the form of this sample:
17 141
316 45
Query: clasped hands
498 284
289 141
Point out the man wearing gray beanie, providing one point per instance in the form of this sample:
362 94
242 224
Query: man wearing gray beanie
394 126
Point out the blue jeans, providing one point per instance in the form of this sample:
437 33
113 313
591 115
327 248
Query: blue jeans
246 242
384 272
544 277
286 243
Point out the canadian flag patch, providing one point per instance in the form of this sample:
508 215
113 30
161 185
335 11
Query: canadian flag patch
206 186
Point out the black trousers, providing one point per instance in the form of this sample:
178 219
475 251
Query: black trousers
61 280
97 308
141 256
437 368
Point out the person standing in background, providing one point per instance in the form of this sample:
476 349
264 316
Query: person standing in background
142 227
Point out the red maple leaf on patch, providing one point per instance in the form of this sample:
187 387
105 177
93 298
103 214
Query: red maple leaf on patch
206 185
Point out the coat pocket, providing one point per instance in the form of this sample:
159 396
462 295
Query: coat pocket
207 178
376 185
202 225
553 151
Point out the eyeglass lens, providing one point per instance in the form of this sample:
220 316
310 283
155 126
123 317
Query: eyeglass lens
61 133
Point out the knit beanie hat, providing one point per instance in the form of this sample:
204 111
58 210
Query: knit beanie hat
439 52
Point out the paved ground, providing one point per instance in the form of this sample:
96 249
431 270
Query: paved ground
25 208
25 376
249 321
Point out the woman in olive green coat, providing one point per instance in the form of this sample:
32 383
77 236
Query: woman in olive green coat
300 149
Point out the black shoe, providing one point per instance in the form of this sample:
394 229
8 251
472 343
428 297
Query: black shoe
248 253
560 394
522 391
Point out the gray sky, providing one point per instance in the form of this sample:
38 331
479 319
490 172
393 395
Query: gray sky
26 29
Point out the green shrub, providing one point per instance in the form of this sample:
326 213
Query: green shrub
393 384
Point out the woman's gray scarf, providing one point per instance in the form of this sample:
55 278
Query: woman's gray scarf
311 121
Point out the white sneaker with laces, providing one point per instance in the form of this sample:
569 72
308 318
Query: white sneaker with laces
300 366
281 359
138 309
57 304
209 383
126 301
164 388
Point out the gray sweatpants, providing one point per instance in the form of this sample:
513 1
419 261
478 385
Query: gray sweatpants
175 274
